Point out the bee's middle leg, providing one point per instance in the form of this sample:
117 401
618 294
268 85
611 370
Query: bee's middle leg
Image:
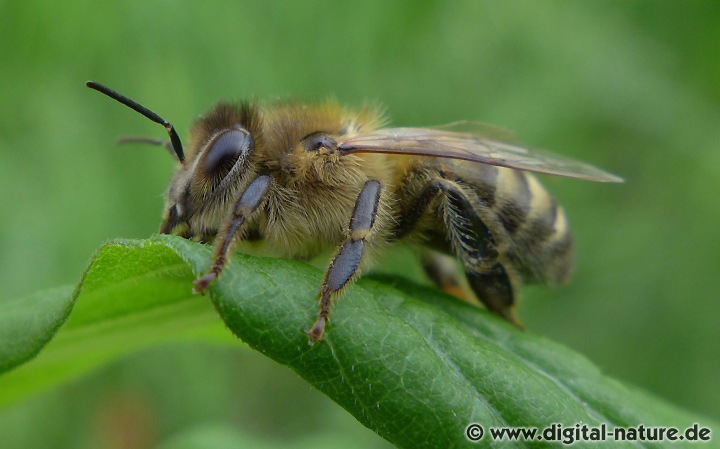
440 268
345 264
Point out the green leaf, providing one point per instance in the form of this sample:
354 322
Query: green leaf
27 325
133 294
409 362
222 436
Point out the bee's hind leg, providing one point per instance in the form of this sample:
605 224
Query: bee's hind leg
494 282
495 288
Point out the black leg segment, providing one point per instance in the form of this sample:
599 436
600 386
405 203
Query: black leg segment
469 236
494 288
345 264
248 203
471 241
491 280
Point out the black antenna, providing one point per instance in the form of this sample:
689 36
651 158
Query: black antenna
149 141
174 139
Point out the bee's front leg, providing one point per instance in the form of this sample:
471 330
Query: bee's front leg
249 202
345 264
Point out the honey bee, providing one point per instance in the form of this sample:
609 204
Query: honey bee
305 179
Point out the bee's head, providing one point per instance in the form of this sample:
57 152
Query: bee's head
218 165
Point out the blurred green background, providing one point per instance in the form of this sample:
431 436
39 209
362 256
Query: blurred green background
631 86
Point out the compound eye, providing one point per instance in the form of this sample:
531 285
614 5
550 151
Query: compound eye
319 141
225 151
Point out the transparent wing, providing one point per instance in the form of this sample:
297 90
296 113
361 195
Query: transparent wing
440 142
479 129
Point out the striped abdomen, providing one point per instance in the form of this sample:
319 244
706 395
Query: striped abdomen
529 227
